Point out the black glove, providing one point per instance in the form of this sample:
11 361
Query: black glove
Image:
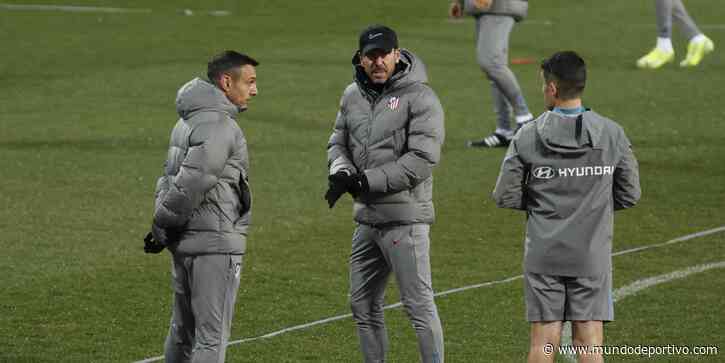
152 246
357 184
158 238
245 198
342 182
337 186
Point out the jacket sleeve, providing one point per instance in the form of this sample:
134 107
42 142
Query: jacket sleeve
338 154
209 149
425 138
510 185
162 187
625 188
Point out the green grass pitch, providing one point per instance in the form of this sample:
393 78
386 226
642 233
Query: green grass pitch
87 103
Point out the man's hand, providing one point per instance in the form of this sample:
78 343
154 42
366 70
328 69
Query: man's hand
246 197
152 246
342 182
158 238
358 184
455 10
337 186
482 4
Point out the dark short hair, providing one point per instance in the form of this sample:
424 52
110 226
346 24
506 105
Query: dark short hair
227 61
568 71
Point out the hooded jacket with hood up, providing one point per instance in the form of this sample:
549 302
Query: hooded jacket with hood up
393 136
569 174
204 193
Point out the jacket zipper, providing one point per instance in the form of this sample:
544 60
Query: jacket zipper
369 130
373 103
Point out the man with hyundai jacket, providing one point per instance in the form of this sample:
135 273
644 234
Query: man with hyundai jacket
202 208
386 140
569 169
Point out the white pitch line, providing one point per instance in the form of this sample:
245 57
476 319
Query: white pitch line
99 9
72 9
451 291
672 241
152 359
639 285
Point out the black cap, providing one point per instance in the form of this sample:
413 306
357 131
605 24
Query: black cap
377 37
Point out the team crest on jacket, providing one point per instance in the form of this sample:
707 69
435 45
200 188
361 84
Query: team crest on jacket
393 103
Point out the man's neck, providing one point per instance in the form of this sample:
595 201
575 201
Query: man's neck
568 104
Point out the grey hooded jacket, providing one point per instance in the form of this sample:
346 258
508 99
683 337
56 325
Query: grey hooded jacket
395 138
569 174
204 191
518 9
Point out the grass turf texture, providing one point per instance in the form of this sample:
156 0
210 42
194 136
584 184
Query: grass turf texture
86 105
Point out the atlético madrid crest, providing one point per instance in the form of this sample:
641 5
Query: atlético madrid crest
393 103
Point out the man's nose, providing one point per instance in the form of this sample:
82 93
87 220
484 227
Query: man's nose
253 91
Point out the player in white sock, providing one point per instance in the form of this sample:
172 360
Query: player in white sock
663 53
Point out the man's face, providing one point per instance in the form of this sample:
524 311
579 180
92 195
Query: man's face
549 91
241 85
379 65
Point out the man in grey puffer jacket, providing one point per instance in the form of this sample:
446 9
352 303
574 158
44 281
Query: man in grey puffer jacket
203 207
494 21
386 141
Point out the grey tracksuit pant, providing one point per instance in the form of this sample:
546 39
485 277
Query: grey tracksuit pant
404 251
205 290
667 10
492 43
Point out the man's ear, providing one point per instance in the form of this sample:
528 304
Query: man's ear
554 90
225 82
397 55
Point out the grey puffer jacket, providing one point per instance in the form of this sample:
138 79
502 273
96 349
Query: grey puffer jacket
204 192
518 9
395 138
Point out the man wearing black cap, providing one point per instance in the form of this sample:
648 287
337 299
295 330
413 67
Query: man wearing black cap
386 141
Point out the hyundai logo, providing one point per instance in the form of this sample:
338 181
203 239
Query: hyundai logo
544 172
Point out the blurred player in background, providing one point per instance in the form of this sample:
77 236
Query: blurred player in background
386 140
569 169
663 53
494 22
